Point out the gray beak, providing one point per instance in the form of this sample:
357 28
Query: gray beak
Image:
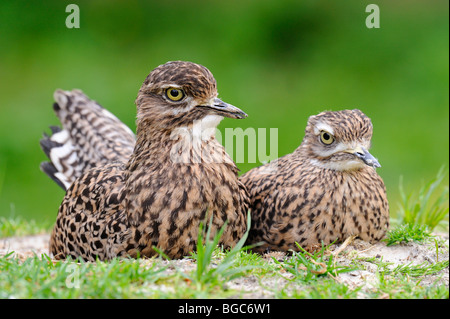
367 158
224 109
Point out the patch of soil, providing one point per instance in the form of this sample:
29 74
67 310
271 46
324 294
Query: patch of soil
25 246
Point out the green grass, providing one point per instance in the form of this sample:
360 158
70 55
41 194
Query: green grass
420 212
403 287
206 275
298 276
19 226
409 269
323 289
419 270
307 267
429 206
406 233
40 277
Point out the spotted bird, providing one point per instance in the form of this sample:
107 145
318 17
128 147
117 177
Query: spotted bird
127 195
326 190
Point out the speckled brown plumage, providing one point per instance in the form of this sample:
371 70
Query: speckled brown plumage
321 192
177 176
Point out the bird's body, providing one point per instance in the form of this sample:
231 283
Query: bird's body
177 176
326 190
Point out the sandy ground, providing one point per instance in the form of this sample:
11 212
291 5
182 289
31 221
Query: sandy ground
409 253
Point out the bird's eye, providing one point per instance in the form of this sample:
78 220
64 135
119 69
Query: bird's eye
174 94
326 138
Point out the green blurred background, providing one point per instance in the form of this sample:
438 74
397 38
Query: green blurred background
280 61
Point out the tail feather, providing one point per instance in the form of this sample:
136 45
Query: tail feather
55 129
47 144
90 136
49 169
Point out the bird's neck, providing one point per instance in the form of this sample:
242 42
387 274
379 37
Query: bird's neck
149 145
194 143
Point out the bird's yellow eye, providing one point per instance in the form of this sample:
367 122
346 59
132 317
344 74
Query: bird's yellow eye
326 138
174 94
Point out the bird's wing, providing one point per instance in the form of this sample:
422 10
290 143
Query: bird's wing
90 136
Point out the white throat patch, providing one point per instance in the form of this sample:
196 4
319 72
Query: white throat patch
339 166
192 142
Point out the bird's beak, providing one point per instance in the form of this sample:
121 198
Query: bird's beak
224 109
366 157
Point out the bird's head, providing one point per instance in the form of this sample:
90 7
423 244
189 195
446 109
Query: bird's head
178 93
340 140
